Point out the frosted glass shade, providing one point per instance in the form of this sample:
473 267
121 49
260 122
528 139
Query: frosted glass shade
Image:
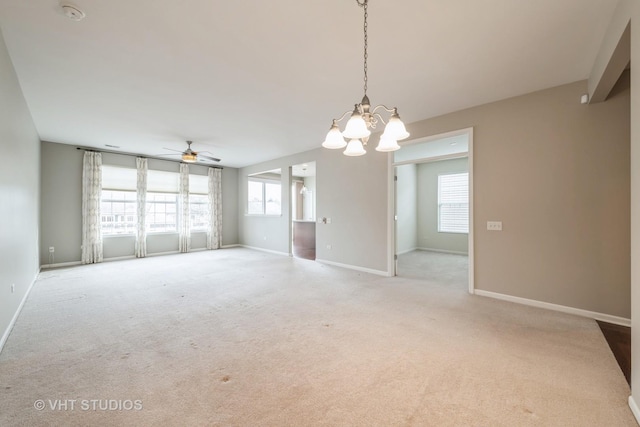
356 127
387 144
189 158
395 129
334 139
355 148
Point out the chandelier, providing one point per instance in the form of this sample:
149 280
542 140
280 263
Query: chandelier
363 119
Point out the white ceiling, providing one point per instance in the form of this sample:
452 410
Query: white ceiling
251 81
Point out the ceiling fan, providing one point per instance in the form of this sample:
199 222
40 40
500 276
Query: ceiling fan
190 156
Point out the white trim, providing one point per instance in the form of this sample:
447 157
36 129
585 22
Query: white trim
7 332
391 232
442 251
265 250
422 160
471 252
443 135
119 258
125 257
162 253
60 264
235 245
407 251
392 242
355 267
556 307
634 408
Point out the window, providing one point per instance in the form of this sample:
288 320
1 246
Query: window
199 202
264 197
118 201
162 201
162 213
453 203
118 212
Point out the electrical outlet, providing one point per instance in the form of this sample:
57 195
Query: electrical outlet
494 225
13 288
265 237
52 249
329 247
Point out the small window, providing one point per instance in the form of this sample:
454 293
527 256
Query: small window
264 197
453 203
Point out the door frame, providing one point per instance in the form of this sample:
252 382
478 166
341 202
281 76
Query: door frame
391 203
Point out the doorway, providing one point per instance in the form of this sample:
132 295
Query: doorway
303 210
432 232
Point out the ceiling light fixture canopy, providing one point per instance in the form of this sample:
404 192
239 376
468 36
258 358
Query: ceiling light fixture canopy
363 119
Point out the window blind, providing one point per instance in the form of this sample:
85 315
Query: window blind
118 178
163 182
198 184
453 203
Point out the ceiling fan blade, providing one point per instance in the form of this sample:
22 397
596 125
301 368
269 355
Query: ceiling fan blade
171 149
165 154
213 159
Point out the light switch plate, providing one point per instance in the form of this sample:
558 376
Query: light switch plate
494 225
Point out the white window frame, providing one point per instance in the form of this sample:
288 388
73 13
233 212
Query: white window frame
452 201
151 204
264 183
129 225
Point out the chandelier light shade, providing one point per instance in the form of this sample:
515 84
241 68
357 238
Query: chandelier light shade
356 126
387 144
334 138
364 119
355 148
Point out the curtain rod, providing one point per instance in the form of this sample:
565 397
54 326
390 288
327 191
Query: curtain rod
146 157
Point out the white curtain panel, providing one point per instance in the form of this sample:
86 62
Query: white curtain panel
214 234
141 207
183 207
91 192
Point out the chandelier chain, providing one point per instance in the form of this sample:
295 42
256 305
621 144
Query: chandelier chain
364 4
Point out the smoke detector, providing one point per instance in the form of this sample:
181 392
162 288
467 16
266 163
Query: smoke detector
73 12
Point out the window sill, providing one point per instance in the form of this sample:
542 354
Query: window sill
263 215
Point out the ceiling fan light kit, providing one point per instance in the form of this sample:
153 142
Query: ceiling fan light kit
190 156
363 119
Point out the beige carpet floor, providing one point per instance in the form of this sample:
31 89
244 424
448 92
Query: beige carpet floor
237 337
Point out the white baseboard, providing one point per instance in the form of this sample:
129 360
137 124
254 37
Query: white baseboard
355 267
265 250
442 251
60 264
556 307
235 245
634 408
406 251
5 335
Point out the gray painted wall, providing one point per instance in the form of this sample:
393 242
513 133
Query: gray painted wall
61 220
19 194
554 171
428 235
351 191
407 208
557 174
630 10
